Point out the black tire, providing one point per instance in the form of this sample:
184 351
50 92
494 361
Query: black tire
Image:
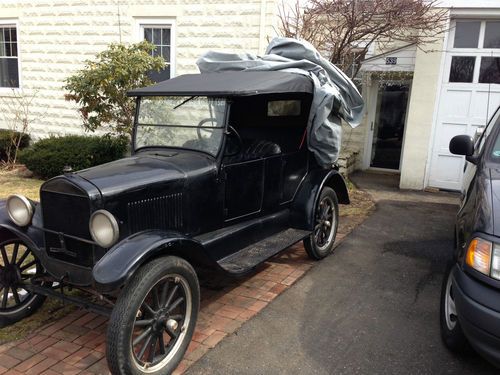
143 305
451 332
18 265
318 247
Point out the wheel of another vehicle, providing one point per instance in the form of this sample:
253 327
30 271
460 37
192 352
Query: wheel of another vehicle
451 332
326 215
154 318
18 267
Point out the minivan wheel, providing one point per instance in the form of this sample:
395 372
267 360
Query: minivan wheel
18 265
326 219
451 332
154 318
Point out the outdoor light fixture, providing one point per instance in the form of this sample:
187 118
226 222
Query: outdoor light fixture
104 228
20 209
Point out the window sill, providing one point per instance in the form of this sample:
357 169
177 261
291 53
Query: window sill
8 92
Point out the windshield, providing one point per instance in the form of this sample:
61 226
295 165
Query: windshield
494 123
192 122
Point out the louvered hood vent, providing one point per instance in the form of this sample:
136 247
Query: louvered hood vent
156 213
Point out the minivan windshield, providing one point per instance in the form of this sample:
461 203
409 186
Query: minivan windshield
494 124
190 122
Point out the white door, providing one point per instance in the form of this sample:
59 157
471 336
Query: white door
470 94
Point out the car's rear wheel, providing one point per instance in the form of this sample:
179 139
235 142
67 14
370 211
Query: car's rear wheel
326 215
154 318
18 266
451 332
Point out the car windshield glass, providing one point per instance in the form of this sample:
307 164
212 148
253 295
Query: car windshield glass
495 150
192 122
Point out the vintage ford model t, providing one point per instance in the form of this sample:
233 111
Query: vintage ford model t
220 178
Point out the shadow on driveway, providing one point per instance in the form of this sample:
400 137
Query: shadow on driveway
370 308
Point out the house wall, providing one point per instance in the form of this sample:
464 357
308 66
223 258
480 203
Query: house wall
57 36
420 115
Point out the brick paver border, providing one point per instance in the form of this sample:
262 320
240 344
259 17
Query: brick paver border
75 344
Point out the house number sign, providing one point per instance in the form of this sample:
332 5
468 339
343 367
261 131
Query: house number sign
391 60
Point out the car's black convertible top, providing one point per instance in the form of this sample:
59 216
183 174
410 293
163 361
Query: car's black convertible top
230 83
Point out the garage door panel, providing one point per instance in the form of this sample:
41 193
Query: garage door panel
483 105
450 170
457 105
446 132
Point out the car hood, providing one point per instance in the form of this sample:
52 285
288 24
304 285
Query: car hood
146 169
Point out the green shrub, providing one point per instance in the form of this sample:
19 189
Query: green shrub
6 137
48 157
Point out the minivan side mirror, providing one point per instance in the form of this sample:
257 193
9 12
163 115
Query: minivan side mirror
462 145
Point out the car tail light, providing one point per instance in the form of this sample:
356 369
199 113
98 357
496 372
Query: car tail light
479 255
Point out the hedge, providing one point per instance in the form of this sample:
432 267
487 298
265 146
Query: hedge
6 137
48 157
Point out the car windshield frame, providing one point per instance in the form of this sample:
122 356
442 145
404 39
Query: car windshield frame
184 99
493 128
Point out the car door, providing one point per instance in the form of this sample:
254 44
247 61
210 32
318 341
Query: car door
243 188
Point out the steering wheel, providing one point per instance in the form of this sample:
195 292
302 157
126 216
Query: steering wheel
236 143
203 122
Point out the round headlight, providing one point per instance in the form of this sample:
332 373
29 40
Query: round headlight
104 228
20 209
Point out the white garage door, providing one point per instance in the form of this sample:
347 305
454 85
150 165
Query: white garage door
470 94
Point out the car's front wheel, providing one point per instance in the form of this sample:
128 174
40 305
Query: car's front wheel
451 332
18 266
326 215
154 318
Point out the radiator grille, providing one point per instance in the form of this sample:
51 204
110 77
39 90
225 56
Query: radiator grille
156 213
67 214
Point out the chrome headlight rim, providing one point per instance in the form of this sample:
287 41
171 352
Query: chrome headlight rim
114 226
26 203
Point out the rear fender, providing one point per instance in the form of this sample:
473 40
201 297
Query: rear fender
113 270
302 215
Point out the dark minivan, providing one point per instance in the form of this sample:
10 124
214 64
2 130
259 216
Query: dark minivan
470 296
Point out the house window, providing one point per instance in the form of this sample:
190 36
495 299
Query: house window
474 52
161 37
462 68
492 34
490 70
466 34
9 60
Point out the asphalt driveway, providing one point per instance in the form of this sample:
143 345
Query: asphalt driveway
370 308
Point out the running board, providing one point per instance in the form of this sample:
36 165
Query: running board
251 256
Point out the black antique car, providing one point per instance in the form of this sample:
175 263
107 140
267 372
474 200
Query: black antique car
220 178
470 295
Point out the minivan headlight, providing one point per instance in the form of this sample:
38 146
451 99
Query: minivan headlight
484 257
104 228
20 209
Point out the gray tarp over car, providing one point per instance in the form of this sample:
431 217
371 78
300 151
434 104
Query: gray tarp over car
335 96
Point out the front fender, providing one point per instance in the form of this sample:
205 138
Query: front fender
302 215
114 269
32 236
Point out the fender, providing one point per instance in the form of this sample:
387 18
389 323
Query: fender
114 269
32 236
302 215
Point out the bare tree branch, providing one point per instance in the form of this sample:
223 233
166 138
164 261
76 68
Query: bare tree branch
344 30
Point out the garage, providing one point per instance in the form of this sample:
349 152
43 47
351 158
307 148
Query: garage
468 96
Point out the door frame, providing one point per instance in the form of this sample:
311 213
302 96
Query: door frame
371 113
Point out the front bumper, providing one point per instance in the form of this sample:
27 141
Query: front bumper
478 311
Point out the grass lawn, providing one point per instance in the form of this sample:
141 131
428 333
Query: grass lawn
52 309
10 183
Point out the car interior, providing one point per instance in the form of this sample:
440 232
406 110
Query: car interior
266 125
